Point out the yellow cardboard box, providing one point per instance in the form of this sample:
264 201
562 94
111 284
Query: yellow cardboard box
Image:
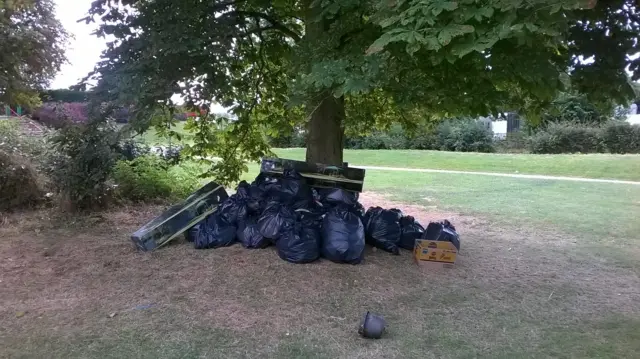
435 253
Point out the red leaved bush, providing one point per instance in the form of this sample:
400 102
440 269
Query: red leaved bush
58 114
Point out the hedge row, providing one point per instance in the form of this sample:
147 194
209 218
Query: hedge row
57 114
613 137
462 136
470 136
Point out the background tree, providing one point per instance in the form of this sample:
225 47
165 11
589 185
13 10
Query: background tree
574 109
353 65
32 44
63 95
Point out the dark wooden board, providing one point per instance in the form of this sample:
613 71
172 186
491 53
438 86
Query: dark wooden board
318 174
180 217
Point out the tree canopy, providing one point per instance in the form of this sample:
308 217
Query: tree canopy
354 65
32 45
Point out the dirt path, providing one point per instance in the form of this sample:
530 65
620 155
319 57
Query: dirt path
495 174
76 287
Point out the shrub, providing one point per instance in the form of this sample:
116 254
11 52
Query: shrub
82 162
149 178
59 114
130 149
20 183
423 141
514 142
395 138
295 140
621 137
465 136
375 141
32 148
566 138
170 154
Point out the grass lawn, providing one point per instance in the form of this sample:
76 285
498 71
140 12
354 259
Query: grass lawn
152 138
623 167
605 166
547 269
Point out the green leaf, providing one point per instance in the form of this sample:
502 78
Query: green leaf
388 21
531 27
461 49
486 11
412 48
449 5
379 44
449 32
439 7
444 37
356 86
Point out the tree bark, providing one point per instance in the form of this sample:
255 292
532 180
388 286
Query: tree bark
325 131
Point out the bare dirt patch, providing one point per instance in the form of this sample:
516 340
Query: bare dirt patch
82 278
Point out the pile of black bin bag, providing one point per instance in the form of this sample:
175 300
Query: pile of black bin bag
306 223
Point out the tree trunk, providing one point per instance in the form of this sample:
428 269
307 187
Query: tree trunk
325 131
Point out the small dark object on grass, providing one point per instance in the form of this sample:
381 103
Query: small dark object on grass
372 326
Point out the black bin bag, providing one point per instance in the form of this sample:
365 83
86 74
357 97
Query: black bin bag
301 243
383 228
245 196
293 187
411 230
214 232
249 234
442 231
275 219
263 185
192 233
342 239
240 205
337 196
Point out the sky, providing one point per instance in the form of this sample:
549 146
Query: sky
83 52
84 49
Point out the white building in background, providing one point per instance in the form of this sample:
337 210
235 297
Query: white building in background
508 122
499 129
633 116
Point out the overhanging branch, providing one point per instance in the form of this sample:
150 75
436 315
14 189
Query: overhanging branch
275 24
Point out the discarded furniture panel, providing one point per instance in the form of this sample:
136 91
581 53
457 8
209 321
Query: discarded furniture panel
318 174
180 217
